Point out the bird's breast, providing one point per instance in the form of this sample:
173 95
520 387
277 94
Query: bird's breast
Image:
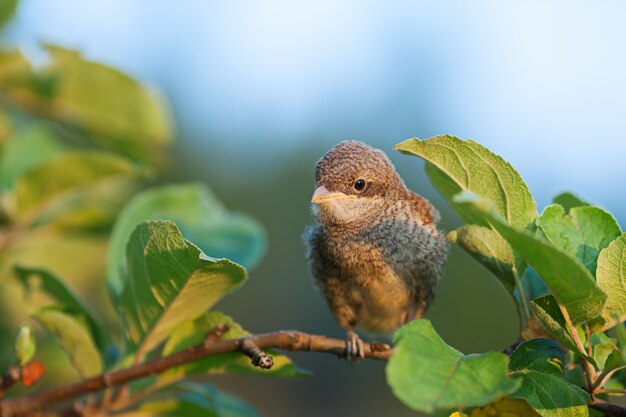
385 303
382 297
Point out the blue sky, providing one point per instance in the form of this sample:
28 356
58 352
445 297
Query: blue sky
541 83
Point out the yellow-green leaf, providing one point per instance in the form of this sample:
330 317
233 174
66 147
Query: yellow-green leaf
25 345
56 188
455 165
570 282
168 281
611 278
490 249
71 330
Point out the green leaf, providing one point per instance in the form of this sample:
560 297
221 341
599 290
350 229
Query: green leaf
602 347
26 149
614 361
570 282
428 375
6 128
547 311
605 352
50 190
191 399
103 104
619 331
611 278
569 201
584 232
34 279
488 248
25 345
168 281
192 333
533 285
201 218
539 362
455 165
7 10
13 68
71 329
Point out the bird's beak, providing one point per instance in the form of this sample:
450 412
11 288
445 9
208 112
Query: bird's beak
323 196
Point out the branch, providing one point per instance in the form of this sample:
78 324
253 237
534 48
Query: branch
10 378
608 409
586 367
251 346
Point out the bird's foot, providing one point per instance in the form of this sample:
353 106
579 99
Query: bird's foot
354 348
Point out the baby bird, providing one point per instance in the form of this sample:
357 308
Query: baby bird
376 253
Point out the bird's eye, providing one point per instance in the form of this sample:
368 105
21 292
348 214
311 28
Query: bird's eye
359 184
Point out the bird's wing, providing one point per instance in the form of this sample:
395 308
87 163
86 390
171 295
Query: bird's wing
418 261
428 212
320 262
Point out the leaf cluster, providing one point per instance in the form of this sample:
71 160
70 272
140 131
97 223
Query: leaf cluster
576 250
79 143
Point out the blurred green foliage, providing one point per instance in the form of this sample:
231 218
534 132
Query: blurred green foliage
80 143
78 140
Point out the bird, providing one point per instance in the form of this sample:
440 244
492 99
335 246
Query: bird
375 252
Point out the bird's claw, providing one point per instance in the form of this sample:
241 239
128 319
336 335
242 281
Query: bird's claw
355 350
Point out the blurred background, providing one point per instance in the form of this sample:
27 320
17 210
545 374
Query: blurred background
260 90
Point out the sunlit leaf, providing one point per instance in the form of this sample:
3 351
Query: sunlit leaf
570 282
25 345
201 218
13 67
71 329
7 10
428 375
455 165
6 128
547 311
50 190
583 232
606 352
34 279
539 362
27 148
168 281
192 333
505 407
101 103
611 278
488 248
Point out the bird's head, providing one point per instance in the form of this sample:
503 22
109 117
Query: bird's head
355 183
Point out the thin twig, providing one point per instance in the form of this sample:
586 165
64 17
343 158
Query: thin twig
602 378
259 358
610 391
522 306
586 367
286 340
217 333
